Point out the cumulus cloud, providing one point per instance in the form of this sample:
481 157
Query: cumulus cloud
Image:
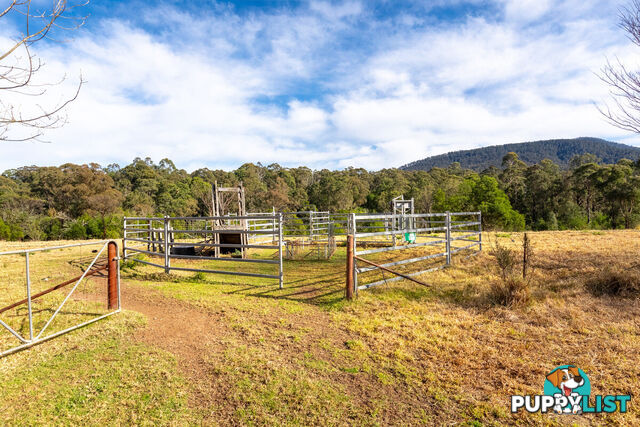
328 85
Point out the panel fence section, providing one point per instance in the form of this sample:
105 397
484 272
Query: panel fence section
250 245
409 245
50 291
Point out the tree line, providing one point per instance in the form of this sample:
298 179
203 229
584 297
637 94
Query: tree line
88 201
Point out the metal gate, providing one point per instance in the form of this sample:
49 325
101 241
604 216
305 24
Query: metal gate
108 262
411 240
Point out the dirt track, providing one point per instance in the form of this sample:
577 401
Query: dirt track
199 338
191 335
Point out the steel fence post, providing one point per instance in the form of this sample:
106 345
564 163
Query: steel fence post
394 227
480 231
273 223
124 238
448 236
280 237
29 298
167 266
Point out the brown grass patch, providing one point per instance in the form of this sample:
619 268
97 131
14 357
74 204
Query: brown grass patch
401 353
512 291
615 281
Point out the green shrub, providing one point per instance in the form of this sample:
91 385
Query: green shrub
15 232
51 227
75 231
113 226
5 231
506 259
552 222
578 222
93 227
513 288
600 221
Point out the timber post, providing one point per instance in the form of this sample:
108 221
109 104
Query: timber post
112 276
349 282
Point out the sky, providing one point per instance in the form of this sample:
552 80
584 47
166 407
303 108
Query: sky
325 84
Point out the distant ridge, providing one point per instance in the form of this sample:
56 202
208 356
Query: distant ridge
560 151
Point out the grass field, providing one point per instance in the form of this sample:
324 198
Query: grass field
194 348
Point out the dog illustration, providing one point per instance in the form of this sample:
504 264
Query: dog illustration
566 380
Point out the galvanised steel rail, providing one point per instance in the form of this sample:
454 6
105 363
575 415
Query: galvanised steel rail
112 267
320 224
311 224
439 226
262 224
196 238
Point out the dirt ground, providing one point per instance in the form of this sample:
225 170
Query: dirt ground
185 331
197 335
253 354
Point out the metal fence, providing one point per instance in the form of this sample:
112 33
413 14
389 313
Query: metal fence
312 225
341 226
265 221
106 260
308 235
207 238
419 243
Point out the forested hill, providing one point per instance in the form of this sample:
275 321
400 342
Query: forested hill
89 201
560 151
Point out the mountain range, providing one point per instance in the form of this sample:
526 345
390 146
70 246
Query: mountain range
560 151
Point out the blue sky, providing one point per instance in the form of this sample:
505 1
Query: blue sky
325 84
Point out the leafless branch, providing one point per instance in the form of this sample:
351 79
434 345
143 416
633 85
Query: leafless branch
19 66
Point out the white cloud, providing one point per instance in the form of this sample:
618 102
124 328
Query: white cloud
337 12
526 10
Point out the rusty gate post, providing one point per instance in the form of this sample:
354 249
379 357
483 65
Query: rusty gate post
112 280
350 267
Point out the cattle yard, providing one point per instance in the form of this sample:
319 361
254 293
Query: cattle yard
247 243
202 293
248 246
198 348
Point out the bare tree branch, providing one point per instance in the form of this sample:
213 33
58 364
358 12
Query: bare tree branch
19 66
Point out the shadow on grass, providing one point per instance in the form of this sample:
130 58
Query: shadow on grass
22 319
318 283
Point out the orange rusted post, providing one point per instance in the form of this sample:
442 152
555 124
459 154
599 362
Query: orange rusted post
350 267
112 276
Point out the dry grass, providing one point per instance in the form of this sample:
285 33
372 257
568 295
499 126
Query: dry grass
512 291
615 281
400 353
47 269
512 288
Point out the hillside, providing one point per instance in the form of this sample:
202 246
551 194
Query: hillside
560 151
